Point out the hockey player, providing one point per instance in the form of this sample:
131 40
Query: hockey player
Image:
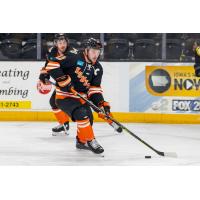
196 49
83 73
61 46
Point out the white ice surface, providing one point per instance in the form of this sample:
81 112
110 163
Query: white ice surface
31 143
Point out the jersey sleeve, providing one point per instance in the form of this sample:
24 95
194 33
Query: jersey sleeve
95 92
53 67
43 72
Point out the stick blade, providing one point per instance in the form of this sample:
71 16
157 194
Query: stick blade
170 154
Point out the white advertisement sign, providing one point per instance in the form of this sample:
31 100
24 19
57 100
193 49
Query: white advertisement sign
18 91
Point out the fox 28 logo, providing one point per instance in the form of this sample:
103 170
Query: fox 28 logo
186 105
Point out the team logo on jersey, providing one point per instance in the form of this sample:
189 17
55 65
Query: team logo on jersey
83 79
80 63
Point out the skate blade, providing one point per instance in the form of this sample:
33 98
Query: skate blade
99 154
66 133
60 133
102 155
88 150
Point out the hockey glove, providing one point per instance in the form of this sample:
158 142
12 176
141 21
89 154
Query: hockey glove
106 108
65 83
44 76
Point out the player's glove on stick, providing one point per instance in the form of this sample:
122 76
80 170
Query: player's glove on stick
106 108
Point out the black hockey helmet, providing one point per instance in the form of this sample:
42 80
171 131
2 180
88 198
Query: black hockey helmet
60 36
93 44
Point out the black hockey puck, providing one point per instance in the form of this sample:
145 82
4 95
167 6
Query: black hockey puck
119 130
147 157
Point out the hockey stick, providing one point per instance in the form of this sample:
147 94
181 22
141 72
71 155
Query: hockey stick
114 125
167 154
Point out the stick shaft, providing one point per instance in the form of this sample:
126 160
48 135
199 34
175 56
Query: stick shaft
170 154
118 123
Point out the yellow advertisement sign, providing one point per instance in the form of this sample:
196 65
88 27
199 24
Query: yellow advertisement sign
15 104
172 81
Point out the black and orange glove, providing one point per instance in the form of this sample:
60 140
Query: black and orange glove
44 76
106 108
104 115
65 83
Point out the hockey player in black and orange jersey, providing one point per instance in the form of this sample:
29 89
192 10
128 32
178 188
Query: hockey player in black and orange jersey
56 53
62 46
196 49
82 72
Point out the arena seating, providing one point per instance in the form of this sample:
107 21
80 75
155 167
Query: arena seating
117 46
116 49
